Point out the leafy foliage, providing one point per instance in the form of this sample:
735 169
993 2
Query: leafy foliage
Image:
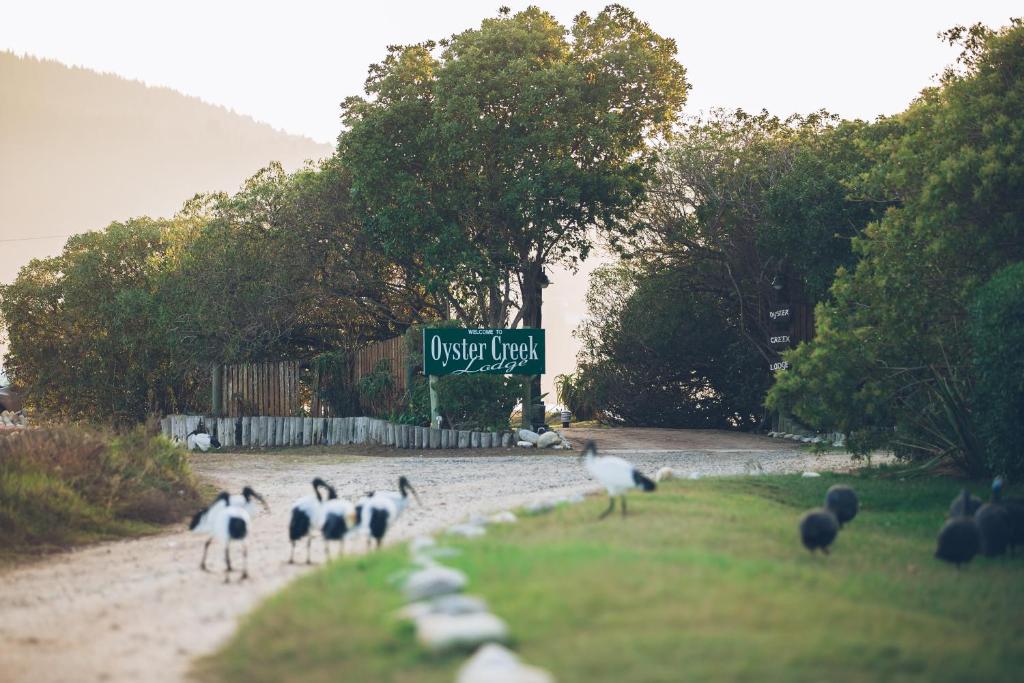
996 332
658 353
891 363
483 157
67 484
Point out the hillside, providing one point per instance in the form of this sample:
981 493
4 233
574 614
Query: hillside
79 149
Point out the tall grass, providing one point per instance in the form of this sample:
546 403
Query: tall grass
65 485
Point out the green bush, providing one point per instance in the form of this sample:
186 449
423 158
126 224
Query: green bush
996 329
66 485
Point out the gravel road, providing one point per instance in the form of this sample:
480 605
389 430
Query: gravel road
140 610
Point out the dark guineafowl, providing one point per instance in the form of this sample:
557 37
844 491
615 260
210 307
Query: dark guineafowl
994 523
959 539
842 501
1014 508
818 528
964 506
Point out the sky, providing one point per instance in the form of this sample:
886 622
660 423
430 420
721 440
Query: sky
290 64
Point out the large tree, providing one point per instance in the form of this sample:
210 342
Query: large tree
892 360
743 205
485 156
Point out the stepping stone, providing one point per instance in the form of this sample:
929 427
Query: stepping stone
443 632
467 530
452 605
434 581
494 663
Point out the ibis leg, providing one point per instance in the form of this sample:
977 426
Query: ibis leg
309 550
291 558
327 549
227 556
206 546
611 506
623 506
245 561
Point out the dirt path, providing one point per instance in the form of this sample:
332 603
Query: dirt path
140 610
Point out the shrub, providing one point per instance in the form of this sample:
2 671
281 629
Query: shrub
64 485
996 330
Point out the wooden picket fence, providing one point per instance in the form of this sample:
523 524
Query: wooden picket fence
277 389
278 432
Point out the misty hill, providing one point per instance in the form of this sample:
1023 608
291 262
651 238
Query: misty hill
79 149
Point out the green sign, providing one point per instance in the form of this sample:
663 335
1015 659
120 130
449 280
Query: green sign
458 351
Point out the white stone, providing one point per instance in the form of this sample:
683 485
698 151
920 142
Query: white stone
527 435
664 474
467 530
434 581
695 475
548 439
494 663
421 543
441 632
453 604
504 517
537 508
810 475
524 444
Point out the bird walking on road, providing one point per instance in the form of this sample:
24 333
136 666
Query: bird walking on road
306 519
226 523
377 514
616 475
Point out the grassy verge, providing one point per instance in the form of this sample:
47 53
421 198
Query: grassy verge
705 580
68 485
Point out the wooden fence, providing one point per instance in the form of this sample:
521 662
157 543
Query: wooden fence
287 388
276 432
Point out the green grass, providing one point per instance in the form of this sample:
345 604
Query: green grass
65 486
705 580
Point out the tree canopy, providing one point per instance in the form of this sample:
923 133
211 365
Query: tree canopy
484 156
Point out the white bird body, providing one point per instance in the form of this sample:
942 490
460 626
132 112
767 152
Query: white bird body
378 513
225 523
198 441
400 497
616 475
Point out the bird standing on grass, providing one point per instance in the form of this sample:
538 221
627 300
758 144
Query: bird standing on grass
223 522
615 474
959 539
993 522
842 501
818 529
306 519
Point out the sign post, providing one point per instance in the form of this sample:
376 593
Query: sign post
461 351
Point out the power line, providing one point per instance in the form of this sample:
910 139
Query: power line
43 237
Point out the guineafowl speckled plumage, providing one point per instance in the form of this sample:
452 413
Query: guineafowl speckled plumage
818 528
842 501
959 538
1014 509
964 506
994 523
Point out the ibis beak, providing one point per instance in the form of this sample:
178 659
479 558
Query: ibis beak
263 502
414 494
